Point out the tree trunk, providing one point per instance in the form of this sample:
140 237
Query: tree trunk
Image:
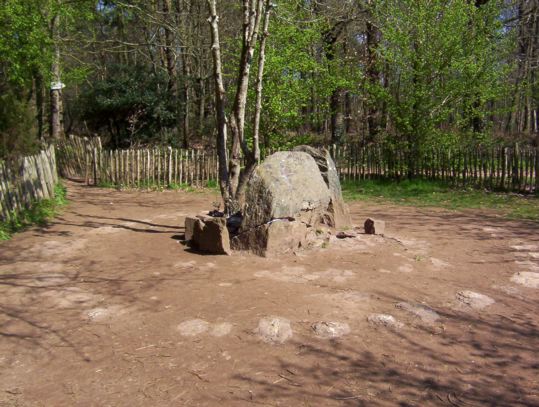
220 95
335 101
373 78
337 116
40 101
259 84
170 58
57 120
236 177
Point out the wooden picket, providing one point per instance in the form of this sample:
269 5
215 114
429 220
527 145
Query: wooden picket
509 168
86 160
25 181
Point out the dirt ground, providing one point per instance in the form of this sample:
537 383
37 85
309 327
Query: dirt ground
106 308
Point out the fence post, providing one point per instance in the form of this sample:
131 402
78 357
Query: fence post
94 162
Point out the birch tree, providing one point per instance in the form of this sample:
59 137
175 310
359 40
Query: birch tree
232 177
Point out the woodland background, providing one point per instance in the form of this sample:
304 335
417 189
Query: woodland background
412 74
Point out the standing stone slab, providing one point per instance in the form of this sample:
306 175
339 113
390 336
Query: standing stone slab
339 214
286 199
286 185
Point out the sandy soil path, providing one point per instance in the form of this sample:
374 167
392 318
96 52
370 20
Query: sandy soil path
105 308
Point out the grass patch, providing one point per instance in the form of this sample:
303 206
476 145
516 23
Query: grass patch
38 214
153 186
438 194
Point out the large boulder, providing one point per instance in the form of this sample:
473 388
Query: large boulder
286 185
339 213
287 198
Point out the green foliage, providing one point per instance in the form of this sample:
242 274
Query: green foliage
26 45
419 192
292 71
38 214
17 126
444 61
287 141
212 184
152 185
133 103
25 40
296 71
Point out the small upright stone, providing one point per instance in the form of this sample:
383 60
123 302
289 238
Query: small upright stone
210 235
374 226
190 227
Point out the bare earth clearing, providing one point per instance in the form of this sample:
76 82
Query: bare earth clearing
106 308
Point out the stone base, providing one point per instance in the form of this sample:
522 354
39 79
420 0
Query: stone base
277 237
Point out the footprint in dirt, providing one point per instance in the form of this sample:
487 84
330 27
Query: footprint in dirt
100 314
426 314
71 297
299 274
195 327
527 279
54 249
472 300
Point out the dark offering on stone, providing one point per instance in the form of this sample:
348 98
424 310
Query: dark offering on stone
374 226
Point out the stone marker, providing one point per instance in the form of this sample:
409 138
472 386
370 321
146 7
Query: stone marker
384 320
289 199
474 300
274 330
426 314
330 329
210 235
190 227
375 226
526 278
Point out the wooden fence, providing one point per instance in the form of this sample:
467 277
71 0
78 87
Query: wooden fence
26 181
86 160
511 168
75 154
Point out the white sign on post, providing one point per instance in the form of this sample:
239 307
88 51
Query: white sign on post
57 85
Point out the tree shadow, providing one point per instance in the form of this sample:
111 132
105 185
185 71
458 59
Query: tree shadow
493 364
